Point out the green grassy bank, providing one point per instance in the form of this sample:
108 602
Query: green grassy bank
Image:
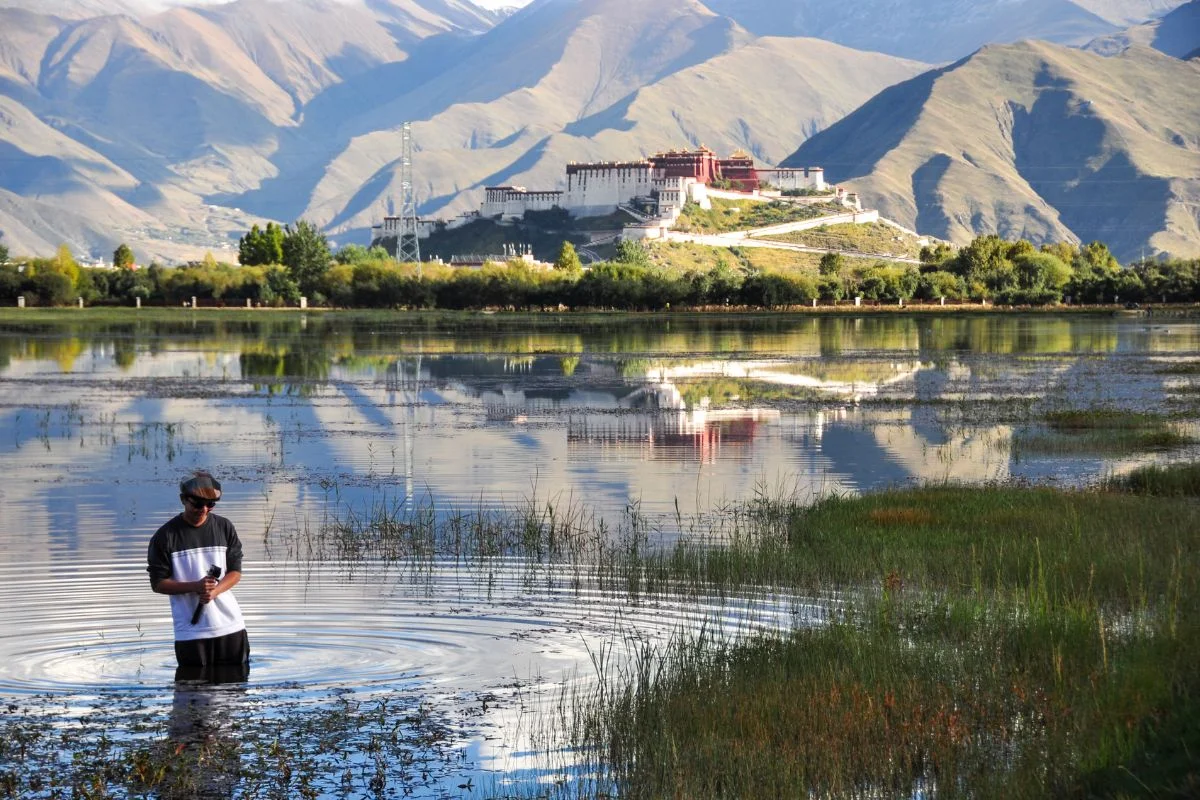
993 642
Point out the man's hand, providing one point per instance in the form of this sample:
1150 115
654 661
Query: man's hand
207 589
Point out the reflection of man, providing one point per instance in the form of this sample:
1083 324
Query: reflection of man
196 558
201 747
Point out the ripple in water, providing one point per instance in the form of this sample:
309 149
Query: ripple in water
313 628
444 635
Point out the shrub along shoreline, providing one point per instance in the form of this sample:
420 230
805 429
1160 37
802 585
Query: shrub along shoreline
640 277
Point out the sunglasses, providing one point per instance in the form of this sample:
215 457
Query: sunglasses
197 502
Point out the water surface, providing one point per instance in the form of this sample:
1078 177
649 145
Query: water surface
310 417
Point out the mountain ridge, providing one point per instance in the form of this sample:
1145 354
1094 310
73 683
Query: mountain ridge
1032 140
181 127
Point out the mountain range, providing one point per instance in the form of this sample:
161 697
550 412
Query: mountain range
1032 140
175 130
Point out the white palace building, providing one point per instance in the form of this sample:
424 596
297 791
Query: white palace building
661 184
653 188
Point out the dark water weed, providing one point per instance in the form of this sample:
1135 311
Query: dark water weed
1101 419
1180 368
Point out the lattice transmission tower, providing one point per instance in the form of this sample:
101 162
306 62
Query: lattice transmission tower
408 246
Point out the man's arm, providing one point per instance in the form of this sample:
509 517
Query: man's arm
207 588
172 586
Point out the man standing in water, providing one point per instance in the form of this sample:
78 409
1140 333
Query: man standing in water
196 558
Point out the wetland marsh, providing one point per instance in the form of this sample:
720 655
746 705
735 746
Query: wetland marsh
487 554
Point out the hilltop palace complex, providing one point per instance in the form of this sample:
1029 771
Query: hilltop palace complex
652 189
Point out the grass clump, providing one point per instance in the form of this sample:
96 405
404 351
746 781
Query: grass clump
1171 480
992 642
1104 431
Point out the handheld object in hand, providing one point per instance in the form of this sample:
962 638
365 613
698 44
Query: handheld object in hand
213 572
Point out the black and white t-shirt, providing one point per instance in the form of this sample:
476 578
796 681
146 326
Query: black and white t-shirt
185 553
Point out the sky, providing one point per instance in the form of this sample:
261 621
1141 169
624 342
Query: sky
484 3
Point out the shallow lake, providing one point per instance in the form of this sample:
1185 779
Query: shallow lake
662 421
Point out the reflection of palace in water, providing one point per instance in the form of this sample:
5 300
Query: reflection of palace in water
700 434
656 419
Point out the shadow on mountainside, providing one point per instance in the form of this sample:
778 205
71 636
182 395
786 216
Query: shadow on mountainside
851 147
926 183
1078 165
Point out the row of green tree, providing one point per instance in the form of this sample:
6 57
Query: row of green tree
280 265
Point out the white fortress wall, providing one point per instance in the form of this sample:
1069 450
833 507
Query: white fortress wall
698 192
784 178
494 199
519 202
511 202
600 188
754 196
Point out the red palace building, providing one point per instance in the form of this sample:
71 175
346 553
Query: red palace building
704 165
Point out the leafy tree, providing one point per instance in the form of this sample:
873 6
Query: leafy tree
632 253
937 284
831 264
936 255
725 282
306 255
10 283
126 285
261 247
85 286
1041 276
52 287
1096 275
3 254
1067 252
123 257
280 287
770 289
155 274
65 264
353 254
1096 256
830 288
568 259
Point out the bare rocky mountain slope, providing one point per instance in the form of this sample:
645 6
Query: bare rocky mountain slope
1176 34
184 104
1033 140
174 131
939 30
